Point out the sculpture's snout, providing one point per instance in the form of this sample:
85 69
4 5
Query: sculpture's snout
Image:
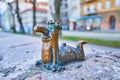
40 29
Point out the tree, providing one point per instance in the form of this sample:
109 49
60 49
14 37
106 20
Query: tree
57 12
57 9
18 17
11 10
34 15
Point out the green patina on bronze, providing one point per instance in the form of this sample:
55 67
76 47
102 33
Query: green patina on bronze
53 56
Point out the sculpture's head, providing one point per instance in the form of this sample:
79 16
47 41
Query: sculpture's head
46 31
51 26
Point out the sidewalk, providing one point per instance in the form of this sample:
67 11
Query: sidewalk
98 35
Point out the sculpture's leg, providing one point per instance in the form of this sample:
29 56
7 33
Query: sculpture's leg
55 54
39 62
55 66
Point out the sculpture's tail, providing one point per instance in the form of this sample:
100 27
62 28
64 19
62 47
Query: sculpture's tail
80 48
81 43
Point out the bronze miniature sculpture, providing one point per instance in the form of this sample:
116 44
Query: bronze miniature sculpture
53 56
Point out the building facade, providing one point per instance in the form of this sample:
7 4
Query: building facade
107 12
64 14
26 14
27 18
51 10
6 20
74 10
69 12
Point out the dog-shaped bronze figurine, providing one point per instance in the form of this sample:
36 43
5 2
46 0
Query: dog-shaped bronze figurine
53 56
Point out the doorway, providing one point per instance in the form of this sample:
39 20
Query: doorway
112 22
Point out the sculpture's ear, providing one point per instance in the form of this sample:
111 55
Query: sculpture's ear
58 26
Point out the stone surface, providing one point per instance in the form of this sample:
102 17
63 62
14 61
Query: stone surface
20 53
1 58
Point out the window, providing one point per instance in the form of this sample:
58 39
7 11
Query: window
85 9
108 4
66 5
117 2
99 5
92 7
88 0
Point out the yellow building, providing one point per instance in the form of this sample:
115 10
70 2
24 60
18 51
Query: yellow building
106 11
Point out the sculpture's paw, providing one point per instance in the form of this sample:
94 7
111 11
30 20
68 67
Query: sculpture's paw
50 66
57 67
47 66
39 63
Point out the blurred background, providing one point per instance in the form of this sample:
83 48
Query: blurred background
94 21
20 16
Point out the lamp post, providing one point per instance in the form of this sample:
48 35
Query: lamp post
34 12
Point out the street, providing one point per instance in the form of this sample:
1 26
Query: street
18 54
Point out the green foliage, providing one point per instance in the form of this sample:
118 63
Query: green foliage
18 32
109 43
38 35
